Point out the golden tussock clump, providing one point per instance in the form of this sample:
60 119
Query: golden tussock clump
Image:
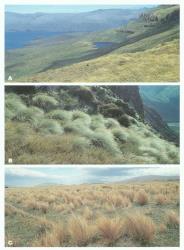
80 231
142 197
110 229
172 219
161 199
140 228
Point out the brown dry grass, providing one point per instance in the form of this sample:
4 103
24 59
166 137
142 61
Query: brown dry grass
94 215
110 229
142 198
140 228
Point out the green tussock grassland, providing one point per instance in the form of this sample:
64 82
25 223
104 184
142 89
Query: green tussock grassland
130 214
55 127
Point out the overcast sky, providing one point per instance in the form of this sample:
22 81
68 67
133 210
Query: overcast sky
67 8
26 176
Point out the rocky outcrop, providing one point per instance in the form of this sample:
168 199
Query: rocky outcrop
130 95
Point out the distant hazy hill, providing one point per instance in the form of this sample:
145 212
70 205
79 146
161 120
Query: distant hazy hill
153 178
163 99
70 22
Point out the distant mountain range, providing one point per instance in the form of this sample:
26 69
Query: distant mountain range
70 22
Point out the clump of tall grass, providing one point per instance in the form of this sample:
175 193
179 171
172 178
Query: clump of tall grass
111 123
110 229
52 238
80 144
44 101
13 104
81 116
80 231
140 228
142 197
97 121
48 126
172 219
62 115
30 114
160 199
87 213
120 135
104 139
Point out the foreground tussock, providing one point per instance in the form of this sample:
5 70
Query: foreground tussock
93 215
140 228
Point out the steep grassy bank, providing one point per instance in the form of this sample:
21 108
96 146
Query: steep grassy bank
87 125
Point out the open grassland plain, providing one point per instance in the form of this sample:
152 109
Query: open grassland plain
83 125
146 49
120 214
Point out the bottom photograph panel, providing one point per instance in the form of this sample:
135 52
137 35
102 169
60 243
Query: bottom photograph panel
74 207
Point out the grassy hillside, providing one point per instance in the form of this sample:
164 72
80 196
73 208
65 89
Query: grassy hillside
119 215
71 125
146 49
159 64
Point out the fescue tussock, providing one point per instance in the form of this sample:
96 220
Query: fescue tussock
82 117
161 199
52 238
30 114
110 229
120 135
118 200
162 228
13 104
44 101
62 115
87 213
80 144
47 126
105 140
111 123
80 231
142 197
9 210
172 219
140 228
97 121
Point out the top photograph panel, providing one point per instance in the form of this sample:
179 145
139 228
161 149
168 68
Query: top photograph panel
92 43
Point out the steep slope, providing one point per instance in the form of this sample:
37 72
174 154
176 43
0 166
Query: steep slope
145 49
79 124
163 99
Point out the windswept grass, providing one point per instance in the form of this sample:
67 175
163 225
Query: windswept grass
44 130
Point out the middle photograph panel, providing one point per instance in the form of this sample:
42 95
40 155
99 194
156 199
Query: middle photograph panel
92 124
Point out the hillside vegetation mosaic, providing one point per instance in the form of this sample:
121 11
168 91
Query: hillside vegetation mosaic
85 125
105 45
120 215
